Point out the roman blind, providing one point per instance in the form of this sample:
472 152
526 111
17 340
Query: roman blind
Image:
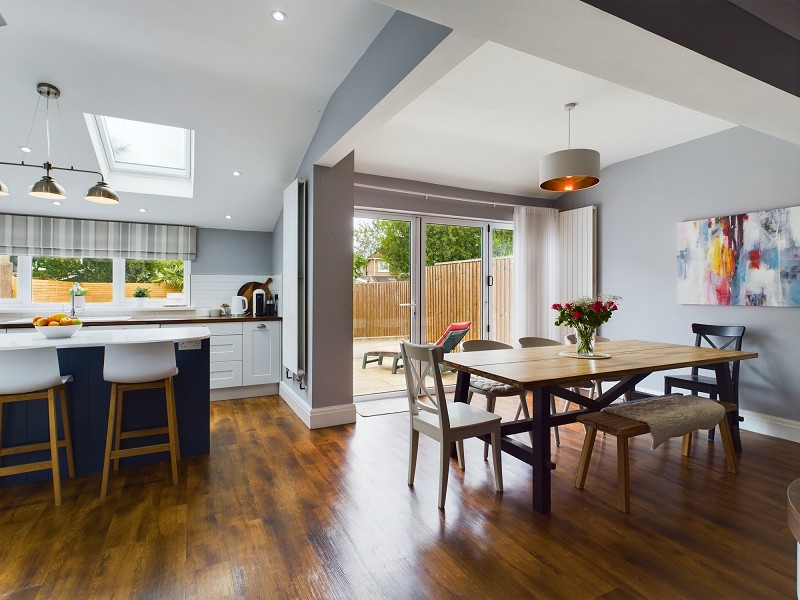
79 238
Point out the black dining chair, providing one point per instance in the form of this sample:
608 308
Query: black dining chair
715 336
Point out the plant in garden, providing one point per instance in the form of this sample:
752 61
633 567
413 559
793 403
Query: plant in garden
141 292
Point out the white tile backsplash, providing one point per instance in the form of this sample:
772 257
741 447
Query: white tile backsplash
209 291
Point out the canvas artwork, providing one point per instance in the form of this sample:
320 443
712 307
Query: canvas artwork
751 259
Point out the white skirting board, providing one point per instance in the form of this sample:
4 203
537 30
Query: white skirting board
316 418
785 429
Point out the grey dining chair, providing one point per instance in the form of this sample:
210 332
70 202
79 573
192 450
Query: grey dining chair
494 389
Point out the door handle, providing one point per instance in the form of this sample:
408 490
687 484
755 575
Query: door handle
261 326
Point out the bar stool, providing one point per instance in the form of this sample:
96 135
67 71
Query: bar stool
33 374
139 367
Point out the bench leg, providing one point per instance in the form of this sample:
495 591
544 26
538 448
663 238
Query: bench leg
586 456
686 446
395 361
623 475
727 444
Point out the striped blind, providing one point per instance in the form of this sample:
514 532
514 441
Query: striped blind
78 238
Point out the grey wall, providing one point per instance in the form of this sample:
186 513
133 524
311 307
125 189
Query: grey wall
641 200
396 51
277 247
233 252
330 291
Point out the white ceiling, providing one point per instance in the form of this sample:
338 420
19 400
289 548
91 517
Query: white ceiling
486 123
254 91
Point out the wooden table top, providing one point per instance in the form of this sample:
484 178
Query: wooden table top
531 367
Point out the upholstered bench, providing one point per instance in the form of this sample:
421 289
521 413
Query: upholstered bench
669 416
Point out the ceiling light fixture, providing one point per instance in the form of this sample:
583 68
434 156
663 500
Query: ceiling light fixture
228 217
571 169
56 203
278 15
236 173
47 187
142 210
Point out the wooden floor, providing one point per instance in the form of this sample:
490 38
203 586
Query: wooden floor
278 511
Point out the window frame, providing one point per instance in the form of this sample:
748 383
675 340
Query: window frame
24 297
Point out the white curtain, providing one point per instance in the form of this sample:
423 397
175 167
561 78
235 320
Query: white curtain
536 276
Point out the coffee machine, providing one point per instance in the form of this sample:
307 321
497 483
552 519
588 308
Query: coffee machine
259 303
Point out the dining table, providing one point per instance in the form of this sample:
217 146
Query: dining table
552 369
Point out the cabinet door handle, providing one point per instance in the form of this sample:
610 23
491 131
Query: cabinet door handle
261 326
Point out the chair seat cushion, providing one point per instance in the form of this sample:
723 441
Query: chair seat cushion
483 385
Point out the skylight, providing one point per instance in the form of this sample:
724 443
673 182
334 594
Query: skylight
136 156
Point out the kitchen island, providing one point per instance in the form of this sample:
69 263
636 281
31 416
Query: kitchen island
88 398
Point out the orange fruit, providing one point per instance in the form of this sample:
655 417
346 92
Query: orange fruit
65 321
53 324
37 318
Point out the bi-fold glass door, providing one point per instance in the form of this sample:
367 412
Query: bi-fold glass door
413 277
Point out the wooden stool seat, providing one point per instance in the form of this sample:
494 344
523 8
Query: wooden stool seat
624 429
131 367
28 374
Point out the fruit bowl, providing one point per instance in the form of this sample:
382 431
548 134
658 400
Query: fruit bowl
60 331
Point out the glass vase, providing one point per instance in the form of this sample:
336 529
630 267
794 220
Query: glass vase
584 339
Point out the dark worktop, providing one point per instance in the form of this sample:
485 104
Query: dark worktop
157 320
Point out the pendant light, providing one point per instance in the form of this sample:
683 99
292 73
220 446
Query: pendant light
571 169
47 187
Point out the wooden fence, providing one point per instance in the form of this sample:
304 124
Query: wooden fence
452 294
50 290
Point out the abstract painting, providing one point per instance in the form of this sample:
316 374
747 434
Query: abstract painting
752 259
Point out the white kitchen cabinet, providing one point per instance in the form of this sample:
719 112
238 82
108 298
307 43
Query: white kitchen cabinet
225 348
261 352
225 374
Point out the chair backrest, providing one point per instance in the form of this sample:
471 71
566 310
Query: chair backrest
720 337
419 363
571 338
139 363
478 345
537 342
454 333
24 370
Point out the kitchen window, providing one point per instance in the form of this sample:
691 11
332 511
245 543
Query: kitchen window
46 280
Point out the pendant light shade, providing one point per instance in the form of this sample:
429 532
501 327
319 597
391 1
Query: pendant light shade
101 193
47 187
571 169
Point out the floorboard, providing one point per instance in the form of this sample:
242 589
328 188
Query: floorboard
278 511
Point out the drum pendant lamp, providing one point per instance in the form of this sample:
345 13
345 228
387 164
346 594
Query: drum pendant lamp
571 169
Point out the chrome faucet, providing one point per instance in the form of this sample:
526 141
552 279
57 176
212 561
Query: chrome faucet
75 287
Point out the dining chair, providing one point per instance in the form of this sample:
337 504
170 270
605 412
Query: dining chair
539 342
715 336
494 389
447 423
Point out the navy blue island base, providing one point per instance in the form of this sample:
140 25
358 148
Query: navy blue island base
88 401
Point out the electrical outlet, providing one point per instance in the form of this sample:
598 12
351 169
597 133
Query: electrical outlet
193 345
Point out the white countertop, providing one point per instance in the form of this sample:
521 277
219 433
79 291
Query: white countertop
88 337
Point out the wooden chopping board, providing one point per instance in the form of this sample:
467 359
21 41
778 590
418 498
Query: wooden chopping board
248 288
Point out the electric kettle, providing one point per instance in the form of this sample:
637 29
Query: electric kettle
238 305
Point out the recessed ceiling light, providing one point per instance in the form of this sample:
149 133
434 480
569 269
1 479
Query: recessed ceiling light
56 203
142 210
25 148
278 15
228 217
236 173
